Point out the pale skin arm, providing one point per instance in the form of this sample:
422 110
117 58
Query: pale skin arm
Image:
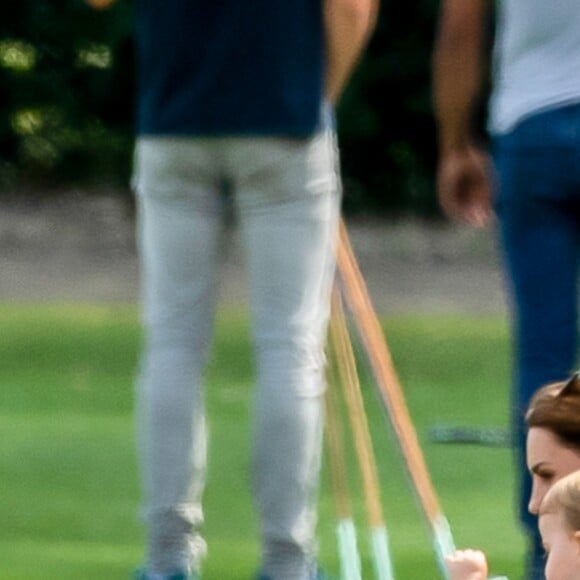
464 175
100 4
467 565
349 25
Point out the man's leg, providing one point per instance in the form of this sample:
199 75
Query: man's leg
540 237
289 205
180 225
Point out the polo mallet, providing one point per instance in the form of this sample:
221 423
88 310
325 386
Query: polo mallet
390 390
346 366
480 436
350 564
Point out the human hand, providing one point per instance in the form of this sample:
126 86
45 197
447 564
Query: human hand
467 565
100 4
464 186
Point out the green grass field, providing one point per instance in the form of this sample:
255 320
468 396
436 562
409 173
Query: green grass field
68 485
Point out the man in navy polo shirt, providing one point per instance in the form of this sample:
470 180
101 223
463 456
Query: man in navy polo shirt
234 106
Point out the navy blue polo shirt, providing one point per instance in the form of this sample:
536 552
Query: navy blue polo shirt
229 67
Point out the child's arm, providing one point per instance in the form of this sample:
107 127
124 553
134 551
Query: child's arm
348 24
467 565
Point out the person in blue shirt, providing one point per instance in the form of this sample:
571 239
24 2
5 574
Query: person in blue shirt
234 107
553 460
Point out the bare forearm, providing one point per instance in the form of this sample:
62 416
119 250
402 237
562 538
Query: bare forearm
459 65
100 4
349 24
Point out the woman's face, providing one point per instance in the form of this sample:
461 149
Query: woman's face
562 548
548 461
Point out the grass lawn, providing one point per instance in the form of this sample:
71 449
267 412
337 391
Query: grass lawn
68 486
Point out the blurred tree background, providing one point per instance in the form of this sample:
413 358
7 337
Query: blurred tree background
66 95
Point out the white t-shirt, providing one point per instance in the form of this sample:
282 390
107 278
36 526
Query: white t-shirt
537 59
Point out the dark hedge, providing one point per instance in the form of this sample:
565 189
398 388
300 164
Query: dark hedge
66 93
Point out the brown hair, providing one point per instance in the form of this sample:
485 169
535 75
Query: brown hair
564 497
557 407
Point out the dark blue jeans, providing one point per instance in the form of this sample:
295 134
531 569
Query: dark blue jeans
538 204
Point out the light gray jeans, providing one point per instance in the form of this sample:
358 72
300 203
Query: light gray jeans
287 196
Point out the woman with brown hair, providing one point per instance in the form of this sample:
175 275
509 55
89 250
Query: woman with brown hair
552 452
553 441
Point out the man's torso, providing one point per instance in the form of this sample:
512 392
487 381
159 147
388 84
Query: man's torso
537 63
227 67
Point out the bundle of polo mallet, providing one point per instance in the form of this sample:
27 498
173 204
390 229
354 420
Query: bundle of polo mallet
351 289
